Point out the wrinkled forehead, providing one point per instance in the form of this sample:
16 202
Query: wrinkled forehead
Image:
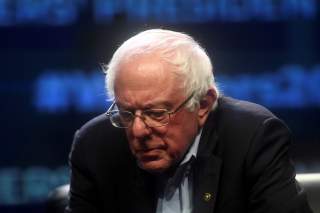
146 76
147 68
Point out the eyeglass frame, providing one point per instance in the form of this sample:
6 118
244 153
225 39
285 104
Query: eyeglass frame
108 113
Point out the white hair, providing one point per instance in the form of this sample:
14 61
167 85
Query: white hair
175 48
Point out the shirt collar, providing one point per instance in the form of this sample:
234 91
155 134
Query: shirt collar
174 181
192 150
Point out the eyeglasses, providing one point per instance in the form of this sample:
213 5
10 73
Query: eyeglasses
151 117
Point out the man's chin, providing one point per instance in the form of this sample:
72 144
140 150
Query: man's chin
154 166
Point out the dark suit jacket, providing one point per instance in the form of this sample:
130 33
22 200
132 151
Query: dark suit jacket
242 162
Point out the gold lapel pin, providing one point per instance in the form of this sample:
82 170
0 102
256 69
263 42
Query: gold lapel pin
207 196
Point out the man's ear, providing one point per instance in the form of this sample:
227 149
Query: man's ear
206 104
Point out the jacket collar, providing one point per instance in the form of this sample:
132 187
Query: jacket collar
207 168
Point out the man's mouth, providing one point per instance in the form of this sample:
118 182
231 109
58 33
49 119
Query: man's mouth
145 158
149 154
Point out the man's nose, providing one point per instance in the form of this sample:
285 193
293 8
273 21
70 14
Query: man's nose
140 128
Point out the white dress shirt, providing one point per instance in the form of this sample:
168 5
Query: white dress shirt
175 193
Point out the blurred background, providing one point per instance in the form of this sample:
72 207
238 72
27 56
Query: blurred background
51 82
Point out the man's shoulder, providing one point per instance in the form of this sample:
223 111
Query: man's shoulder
98 134
242 106
235 111
99 126
238 119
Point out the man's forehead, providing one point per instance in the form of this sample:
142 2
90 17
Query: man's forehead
146 82
146 99
145 75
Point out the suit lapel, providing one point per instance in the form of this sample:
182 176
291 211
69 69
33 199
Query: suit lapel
206 179
207 169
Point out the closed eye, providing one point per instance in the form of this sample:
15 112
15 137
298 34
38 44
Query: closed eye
156 114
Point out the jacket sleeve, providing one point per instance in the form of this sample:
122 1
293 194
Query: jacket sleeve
82 194
270 173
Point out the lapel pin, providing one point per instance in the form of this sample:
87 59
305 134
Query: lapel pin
207 196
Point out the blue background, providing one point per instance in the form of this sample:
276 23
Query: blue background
51 81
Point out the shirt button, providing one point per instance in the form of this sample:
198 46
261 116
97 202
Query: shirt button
207 196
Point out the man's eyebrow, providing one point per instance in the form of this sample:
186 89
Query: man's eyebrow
122 106
159 104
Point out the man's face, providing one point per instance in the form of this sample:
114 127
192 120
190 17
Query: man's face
147 83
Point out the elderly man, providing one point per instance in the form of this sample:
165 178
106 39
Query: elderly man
178 145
